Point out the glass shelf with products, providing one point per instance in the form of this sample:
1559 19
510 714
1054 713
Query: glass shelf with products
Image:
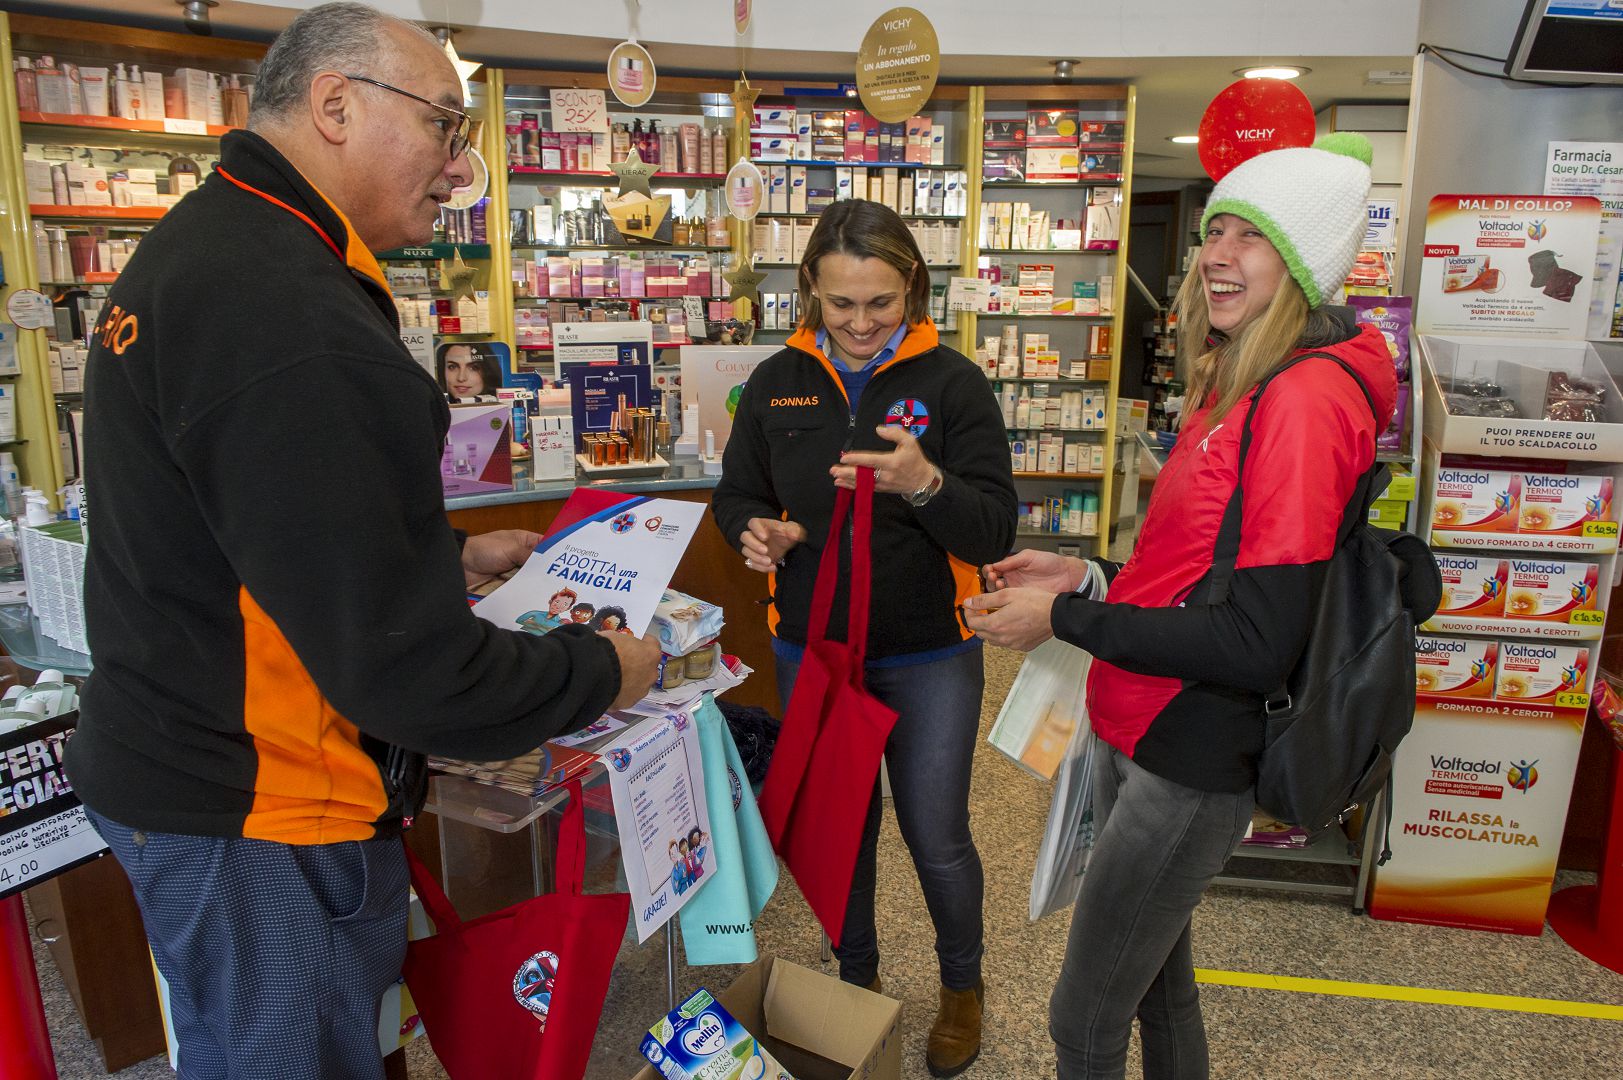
524 173
649 247
435 251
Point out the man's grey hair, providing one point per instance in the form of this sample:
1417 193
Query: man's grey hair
344 37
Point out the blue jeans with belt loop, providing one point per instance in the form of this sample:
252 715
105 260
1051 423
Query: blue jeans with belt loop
928 757
1159 846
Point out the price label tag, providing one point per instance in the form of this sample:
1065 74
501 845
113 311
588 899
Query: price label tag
44 830
1588 618
1570 700
1600 528
579 110
184 127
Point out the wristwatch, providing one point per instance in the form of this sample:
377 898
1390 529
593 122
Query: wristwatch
928 491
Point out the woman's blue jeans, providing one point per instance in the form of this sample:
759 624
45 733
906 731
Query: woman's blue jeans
928 756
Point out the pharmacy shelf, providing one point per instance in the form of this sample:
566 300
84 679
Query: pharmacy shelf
1015 315
657 345
1514 542
1520 628
1048 251
823 163
531 174
1069 380
436 251
989 184
192 128
98 213
905 217
1058 476
1049 534
652 245
1054 430
593 299
795 265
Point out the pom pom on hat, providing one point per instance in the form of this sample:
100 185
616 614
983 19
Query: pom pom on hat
1311 202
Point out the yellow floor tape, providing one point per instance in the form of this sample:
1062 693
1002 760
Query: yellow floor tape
1420 995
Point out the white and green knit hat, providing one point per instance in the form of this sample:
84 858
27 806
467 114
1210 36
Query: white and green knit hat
1309 201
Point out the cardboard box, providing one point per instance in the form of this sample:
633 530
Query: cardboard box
1536 671
1473 586
1455 667
818 1027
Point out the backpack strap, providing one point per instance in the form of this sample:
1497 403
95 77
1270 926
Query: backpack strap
1226 551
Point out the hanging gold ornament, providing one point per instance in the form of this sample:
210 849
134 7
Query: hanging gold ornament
634 174
743 96
745 282
457 279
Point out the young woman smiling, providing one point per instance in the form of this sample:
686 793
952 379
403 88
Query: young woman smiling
865 382
1176 688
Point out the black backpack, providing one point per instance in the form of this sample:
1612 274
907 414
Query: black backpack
1329 733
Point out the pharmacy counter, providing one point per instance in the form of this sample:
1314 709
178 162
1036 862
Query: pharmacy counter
710 570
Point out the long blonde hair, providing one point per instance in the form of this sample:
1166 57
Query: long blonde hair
1222 371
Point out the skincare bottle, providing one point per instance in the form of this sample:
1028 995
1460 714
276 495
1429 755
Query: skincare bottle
76 94
42 251
8 412
51 86
656 143
124 105
236 103
216 102
61 259
1090 513
718 150
152 105
10 484
27 86
638 142
706 162
620 148
94 89
688 159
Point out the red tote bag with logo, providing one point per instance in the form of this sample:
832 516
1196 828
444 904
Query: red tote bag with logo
815 798
518 993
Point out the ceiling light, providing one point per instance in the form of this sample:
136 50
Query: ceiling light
1064 70
1183 139
195 14
1272 72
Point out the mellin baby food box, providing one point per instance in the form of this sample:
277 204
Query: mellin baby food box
1473 587
1476 500
1548 590
1535 672
700 1040
1454 667
1562 504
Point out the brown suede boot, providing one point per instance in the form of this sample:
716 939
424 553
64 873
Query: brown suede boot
874 987
955 1038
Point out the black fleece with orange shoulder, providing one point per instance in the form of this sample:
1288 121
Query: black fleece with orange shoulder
793 421
274 598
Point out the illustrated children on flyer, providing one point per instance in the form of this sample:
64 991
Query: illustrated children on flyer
582 612
539 622
687 859
467 372
611 619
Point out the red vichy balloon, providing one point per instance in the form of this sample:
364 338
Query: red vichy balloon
1251 117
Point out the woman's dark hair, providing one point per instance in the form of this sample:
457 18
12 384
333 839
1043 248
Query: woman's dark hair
864 230
490 370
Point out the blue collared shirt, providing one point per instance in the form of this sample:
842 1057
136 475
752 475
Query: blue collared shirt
855 382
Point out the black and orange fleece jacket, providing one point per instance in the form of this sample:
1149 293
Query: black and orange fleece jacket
274 598
792 422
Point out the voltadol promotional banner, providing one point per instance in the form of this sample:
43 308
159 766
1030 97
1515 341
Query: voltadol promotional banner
1480 793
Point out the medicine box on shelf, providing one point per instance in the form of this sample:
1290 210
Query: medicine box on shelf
1547 399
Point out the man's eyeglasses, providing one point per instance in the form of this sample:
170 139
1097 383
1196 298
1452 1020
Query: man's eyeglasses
458 129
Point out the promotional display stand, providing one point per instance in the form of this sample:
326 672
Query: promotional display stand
1521 515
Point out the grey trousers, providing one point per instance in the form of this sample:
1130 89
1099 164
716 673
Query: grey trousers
1159 845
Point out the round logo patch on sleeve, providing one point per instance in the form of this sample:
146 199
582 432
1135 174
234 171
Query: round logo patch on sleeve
912 414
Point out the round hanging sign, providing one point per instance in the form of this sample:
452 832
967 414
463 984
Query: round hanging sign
897 65
464 198
745 186
1251 117
631 74
30 309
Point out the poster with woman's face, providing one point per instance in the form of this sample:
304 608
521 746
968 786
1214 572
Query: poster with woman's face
471 371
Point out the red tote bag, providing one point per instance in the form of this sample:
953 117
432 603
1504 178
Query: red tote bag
518 993
815 798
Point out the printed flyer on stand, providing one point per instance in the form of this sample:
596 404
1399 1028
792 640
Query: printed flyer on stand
605 562
1513 265
657 779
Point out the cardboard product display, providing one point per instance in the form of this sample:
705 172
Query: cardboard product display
816 1026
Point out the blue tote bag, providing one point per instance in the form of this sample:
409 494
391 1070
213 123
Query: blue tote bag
718 924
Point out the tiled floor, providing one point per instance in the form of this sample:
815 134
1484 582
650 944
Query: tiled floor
1268 1035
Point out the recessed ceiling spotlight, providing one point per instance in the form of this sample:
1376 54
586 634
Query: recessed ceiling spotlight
1272 72
1183 139
195 15
1064 70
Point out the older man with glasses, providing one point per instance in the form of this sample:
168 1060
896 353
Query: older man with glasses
276 602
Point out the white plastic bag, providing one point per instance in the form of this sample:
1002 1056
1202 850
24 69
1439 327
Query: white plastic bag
1068 839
